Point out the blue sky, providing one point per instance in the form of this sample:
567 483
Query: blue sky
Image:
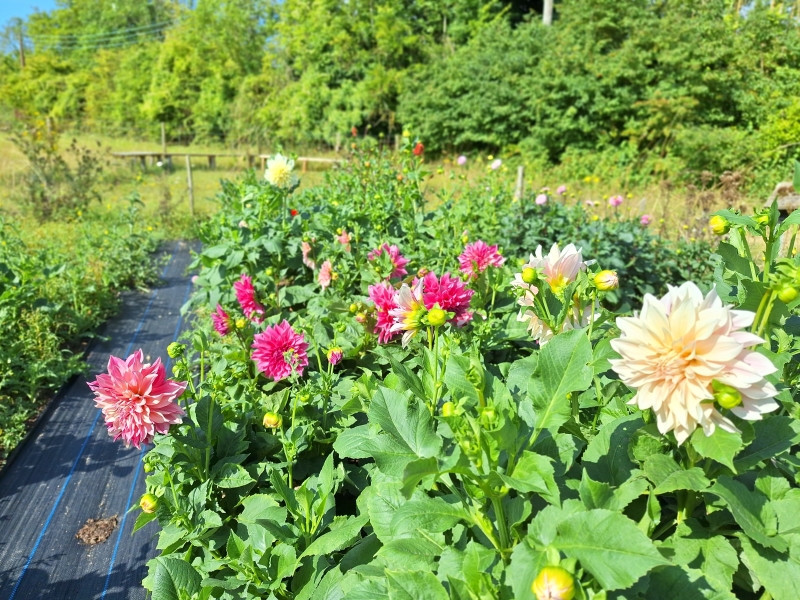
10 9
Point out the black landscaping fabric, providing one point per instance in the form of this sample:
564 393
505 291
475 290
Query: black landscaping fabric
70 470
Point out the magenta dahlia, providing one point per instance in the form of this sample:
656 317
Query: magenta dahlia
246 295
137 399
221 320
450 293
279 350
477 257
399 262
382 294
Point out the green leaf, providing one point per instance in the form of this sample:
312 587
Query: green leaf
668 476
778 572
233 476
337 539
601 356
173 578
609 546
720 446
520 374
606 457
534 473
427 514
407 420
773 436
416 471
526 562
754 514
673 582
414 585
142 520
562 369
455 378
261 507
350 442
733 260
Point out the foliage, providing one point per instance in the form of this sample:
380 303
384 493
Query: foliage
54 293
462 464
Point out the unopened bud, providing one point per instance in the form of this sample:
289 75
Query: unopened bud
241 323
448 409
761 219
361 318
725 395
175 350
606 281
272 420
269 271
334 355
554 583
529 275
148 503
719 225
787 293
437 317
354 308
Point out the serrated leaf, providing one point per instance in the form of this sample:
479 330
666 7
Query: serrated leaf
606 457
337 539
526 562
778 572
668 476
407 420
534 473
721 446
773 436
414 585
427 514
174 577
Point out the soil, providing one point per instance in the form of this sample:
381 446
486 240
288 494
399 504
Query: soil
96 531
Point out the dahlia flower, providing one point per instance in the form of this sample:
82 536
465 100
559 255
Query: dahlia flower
560 268
461 160
645 220
682 347
541 332
496 163
450 294
325 274
562 189
418 149
477 257
246 295
305 247
344 239
409 311
243 224
399 262
335 355
137 399
382 294
221 320
279 350
615 201
541 199
279 171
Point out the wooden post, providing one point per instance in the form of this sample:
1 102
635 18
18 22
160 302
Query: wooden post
212 161
49 123
547 13
163 141
338 144
520 187
304 163
190 184
21 44
396 142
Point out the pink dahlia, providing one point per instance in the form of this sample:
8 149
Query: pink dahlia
246 295
645 220
399 262
325 274
541 199
562 189
335 355
450 293
615 201
382 294
477 257
344 239
307 260
221 320
279 350
137 399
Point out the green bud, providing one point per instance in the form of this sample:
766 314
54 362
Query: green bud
272 420
148 503
554 583
240 323
175 350
529 275
269 271
148 468
719 225
488 416
448 409
761 219
437 317
787 293
606 281
725 395
354 308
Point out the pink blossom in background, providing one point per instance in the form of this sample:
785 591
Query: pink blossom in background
305 247
645 220
461 160
615 201
590 203
382 294
344 239
541 199
195 278
477 257
496 163
335 355
562 189
137 399
399 262
450 293
279 350
246 295
325 273
221 320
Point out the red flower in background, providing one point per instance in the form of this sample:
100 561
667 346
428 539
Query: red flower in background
354 131
418 149
293 212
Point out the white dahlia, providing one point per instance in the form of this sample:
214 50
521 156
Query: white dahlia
279 171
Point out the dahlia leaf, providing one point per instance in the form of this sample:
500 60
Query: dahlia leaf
681 582
772 437
415 585
534 473
720 446
408 421
668 476
779 572
337 539
432 515
526 562
173 576
606 457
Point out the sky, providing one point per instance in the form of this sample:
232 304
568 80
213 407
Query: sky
10 9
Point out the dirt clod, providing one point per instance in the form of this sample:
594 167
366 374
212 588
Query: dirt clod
96 531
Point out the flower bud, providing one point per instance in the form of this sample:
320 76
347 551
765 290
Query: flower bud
448 409
148 503
488 416
719 225
340 327
354 308
787 293
175 350
361 318
269 271
464 239
241 323
147 467
437 317
606 281
761 219
272 420
725 395
529 275
334 355
554 583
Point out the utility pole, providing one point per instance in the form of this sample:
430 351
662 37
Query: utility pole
547 13
21 44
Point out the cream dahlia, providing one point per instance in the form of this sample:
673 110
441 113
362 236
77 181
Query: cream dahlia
682 348
137 399
559 267
279 171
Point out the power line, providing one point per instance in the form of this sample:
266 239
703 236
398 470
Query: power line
99 36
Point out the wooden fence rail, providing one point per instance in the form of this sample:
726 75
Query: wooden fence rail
143 156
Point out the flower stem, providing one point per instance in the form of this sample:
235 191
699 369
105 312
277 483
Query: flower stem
591 319
502 526
208 435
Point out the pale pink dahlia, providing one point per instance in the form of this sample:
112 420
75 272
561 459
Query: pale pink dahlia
562 189
221 320
399 262
615 201
451 294
325 274
279 350
681 349
382 294
409 311
305 247
137 399
541 199
559 267
477 257
246 295
344 239
645 220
